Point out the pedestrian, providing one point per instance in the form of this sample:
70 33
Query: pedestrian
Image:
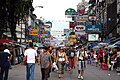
81 62
100 56
30 56
71 57
45 63
118 62
8 51
5 57
61 60
53 55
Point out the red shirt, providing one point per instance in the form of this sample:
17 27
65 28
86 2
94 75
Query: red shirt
100 53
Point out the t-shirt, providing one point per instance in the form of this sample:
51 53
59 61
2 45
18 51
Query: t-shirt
6 50
30 53
4 56
45 60
71 54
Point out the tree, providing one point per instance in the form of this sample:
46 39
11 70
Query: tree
13 11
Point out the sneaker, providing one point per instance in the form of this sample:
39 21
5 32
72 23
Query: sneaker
81 77
59 76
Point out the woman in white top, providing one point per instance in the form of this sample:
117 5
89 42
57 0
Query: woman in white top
60 60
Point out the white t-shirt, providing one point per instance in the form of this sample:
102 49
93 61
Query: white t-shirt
6 50
30 53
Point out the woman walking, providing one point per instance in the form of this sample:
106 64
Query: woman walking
61 59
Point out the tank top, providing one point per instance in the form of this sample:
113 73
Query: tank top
61 57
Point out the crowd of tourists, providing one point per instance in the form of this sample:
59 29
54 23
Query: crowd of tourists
105 58
60 59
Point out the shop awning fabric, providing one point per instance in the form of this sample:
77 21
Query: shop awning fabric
5 41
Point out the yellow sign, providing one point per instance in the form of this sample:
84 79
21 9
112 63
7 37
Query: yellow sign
33 32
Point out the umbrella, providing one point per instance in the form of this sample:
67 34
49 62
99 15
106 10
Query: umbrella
112 46
118 45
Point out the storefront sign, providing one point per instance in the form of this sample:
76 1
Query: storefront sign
82 18
92 18
80 28
94 28
33 32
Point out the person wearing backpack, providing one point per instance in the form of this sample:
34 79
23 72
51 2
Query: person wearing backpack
5 58
81 62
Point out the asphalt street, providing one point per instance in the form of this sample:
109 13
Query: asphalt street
18 72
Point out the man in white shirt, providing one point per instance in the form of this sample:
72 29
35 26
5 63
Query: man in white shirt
30 57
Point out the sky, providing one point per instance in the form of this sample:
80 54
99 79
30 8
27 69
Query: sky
54 11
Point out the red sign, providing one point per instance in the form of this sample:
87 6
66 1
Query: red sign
72 25
80 28
81 11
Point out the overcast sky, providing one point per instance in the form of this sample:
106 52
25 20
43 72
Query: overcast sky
54 10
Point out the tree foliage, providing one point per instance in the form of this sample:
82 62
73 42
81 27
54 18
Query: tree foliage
11 12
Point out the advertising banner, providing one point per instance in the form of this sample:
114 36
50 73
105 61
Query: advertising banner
94 28
79 28
93 37
82 18
33 32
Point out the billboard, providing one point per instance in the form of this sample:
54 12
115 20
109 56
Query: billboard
94 28
33 32
93 37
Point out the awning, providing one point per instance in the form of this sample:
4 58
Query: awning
5 41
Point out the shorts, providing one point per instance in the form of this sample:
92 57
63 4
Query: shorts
71 63
81 65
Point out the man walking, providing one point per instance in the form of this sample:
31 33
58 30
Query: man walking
29 56
71 57
4 63
45 63
8 51
81 56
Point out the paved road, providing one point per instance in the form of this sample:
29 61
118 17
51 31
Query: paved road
91 73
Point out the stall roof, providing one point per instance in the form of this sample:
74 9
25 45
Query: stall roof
5 41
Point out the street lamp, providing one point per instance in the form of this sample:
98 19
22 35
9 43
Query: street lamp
38 7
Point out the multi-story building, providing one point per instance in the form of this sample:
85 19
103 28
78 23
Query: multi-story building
106 13
118 17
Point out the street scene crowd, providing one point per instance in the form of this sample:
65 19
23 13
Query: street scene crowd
60 59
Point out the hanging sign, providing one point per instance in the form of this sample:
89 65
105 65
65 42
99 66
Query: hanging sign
33 32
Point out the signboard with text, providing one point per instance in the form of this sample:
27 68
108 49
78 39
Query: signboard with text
79 28
33 32
94 28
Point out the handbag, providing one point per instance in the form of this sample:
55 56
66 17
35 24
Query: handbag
54 65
